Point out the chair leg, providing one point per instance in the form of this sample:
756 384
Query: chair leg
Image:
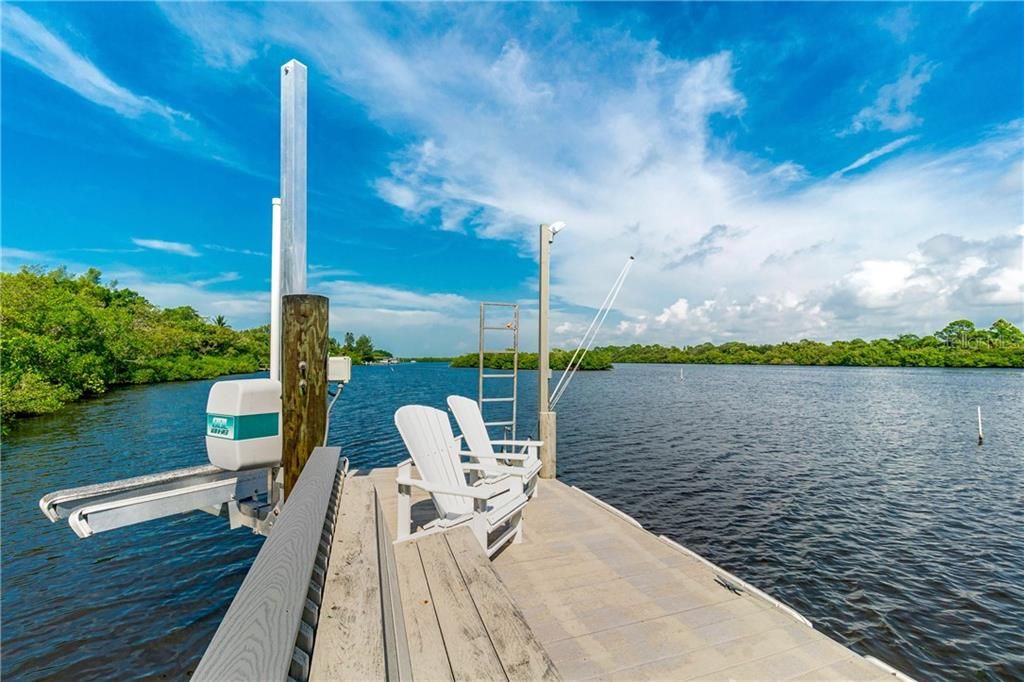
404 512
480 531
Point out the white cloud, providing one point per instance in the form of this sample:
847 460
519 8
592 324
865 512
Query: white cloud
22 256
169 247
320 272
523 124
212 31
28 40
231 249
242 308
974 7
362 295
876 153
899 22
218 279
891 108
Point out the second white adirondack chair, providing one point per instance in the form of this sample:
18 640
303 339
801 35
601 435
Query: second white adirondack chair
481 447
493 504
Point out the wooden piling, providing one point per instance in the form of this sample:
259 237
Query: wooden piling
546 428
303 380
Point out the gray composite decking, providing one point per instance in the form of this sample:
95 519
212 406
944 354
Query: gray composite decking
606 599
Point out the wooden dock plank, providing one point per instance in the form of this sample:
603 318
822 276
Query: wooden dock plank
521 655
608 600
350 633
470 651
426 644
708 661
805 658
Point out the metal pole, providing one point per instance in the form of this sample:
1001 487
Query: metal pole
275 291
293 178
545 417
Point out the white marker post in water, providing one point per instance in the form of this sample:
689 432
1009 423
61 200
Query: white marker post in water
981 436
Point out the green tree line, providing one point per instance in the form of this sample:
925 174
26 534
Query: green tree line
958 344
559 359
360 349
64 337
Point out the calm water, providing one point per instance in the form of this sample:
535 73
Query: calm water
858 496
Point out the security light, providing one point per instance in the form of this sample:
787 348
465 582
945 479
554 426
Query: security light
557 227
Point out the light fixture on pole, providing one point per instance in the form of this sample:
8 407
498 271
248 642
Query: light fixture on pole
545 417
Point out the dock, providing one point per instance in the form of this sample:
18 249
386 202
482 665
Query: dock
588 594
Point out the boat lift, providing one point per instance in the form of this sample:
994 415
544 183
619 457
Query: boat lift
248 489
239 495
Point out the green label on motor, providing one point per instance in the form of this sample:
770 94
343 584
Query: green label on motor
243 427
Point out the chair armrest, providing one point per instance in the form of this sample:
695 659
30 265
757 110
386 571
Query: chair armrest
520 443
499 455
478 492
496 469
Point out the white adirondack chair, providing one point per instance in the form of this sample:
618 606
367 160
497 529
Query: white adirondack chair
481 447
494 504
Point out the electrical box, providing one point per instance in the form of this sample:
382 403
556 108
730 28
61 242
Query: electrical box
339 368
243 424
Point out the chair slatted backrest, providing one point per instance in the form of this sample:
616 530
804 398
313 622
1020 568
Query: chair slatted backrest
471 423
428 437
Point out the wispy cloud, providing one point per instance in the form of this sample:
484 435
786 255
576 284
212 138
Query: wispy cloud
103 250
876 153
230 249
553 118
218 279
19 257
899 22
891 108
212 32
322 272
29 40
709 244
169 247
242 308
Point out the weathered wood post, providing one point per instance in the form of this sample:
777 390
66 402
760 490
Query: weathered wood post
303 380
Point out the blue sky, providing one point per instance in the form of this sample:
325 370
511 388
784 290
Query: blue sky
779 170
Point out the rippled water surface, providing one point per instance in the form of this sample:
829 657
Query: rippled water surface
859 496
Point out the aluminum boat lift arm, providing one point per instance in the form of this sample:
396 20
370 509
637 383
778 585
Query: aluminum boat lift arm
105 506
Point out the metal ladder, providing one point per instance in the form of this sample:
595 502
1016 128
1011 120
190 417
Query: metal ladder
499 377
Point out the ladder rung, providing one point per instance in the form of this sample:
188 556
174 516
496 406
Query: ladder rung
508 329
496 400
509 423
497 376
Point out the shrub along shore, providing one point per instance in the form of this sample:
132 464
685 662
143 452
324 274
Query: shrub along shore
64 337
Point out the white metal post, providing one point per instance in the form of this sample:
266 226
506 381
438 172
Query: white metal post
293 178
275 291
545 417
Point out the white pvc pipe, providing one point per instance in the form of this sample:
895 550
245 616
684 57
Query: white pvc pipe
275 291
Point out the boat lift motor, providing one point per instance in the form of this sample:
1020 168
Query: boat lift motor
243 441
243 424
